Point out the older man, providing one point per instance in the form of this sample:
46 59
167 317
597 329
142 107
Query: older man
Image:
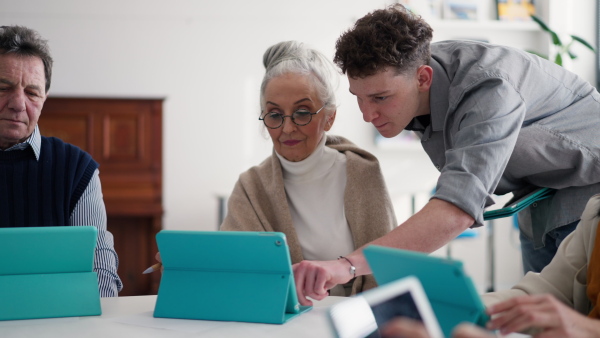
45 181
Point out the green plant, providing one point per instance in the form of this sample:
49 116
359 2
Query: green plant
561 48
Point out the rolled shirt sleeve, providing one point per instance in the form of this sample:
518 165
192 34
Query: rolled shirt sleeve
502 121
90 211
483 136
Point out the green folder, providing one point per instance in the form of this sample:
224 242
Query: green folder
47 272
514 207
229 276
451 292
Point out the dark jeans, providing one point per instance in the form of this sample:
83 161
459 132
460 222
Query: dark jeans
535 260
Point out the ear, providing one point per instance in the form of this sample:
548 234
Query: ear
45 98
330 120
424 78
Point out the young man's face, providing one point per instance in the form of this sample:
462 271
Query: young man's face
390 101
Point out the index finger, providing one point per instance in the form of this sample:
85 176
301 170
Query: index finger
299 277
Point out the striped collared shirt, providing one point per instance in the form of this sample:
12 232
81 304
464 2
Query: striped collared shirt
89 210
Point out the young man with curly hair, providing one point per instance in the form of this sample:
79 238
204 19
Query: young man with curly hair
493 120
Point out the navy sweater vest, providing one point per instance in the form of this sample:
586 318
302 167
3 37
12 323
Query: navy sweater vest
44 192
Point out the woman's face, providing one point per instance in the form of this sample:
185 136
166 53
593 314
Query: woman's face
285 95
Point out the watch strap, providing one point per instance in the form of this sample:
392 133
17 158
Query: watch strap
352 267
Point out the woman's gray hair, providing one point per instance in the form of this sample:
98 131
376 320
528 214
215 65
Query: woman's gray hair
294 57
24 41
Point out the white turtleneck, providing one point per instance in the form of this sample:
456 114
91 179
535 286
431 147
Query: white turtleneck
315 190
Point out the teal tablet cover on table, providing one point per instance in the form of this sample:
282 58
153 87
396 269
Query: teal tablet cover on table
451 292
48 272
226 275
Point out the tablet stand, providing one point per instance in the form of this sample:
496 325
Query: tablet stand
226 275
47 272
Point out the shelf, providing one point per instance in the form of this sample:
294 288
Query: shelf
485 24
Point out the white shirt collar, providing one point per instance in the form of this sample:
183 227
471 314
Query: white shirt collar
34 141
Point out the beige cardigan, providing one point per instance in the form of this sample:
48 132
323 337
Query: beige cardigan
566 276
258 202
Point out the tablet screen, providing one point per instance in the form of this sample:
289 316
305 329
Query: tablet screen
400 306
364 315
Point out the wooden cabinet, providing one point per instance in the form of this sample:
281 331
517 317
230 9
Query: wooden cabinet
125 137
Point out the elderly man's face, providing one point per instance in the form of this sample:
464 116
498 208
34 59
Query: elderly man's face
22 96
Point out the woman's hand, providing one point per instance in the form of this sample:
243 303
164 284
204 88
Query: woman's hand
545 314
315 278
157 256
155 267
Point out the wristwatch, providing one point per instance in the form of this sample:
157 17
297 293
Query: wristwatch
352 267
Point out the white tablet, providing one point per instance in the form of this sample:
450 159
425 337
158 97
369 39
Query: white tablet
364 314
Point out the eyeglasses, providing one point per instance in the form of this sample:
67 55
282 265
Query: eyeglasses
300 117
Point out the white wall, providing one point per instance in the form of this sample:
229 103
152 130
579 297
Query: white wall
577 17
205 59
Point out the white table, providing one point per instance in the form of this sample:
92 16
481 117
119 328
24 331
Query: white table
132 317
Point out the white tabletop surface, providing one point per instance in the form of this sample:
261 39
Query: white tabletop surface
132 317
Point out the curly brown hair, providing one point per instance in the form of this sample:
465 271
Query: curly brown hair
393 36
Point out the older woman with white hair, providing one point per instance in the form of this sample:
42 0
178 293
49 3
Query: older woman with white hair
326 194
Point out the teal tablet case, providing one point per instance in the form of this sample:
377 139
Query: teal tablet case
451 292
514 207
48 272
229 276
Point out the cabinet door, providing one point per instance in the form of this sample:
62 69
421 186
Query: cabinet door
125 137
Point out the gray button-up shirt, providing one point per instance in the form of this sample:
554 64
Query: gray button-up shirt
503 120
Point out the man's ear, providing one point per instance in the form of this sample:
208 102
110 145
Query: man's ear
45 98
424 77
330 120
